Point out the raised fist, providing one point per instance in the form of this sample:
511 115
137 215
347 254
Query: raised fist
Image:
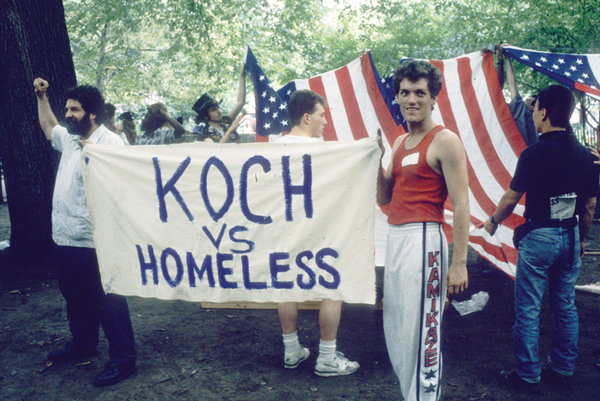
41 86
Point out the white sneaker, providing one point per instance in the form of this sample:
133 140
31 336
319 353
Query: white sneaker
338 366
292 360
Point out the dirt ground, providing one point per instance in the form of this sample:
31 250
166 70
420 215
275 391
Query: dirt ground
190 353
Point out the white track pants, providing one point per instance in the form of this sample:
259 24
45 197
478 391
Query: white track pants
414 294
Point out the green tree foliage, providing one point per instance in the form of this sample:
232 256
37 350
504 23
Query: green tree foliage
177 49
448 28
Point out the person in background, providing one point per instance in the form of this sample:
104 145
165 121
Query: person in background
159 127
109 118
560 181
128 128
109 122
520 110
212 126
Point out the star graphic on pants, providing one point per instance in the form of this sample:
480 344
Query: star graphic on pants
430 374
430 388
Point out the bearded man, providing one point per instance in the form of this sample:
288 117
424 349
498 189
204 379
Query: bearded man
88 306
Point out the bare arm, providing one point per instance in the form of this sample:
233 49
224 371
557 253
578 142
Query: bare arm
500 66
585 220
510 78
241 95
234 125
47 119
507 204
179 130
452 157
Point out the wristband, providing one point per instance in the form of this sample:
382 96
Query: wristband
492 220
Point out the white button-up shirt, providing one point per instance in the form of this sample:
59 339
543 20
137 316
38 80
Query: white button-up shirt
70 217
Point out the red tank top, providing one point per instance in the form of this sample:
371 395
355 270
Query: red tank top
419 191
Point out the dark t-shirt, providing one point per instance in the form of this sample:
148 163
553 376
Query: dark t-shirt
551 172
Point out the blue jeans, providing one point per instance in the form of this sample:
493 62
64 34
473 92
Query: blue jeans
546 255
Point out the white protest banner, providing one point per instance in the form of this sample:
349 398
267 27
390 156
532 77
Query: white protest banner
230 222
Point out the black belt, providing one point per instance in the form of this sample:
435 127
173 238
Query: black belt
531 225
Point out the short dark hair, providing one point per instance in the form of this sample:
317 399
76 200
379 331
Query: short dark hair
301 102
413 70
109 110
559 103
90 98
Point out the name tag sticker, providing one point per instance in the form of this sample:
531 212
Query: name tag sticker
410 160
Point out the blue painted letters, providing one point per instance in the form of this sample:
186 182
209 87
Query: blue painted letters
147 266
165 271
266 165
232 237
312 277
250 285
328 268
277 268
206 269
225 271
278 265
162 191
214 161
304 189
217 242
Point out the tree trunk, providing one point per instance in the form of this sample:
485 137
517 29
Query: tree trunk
100 73
34 44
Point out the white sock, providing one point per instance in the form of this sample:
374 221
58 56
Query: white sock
291 343
327 349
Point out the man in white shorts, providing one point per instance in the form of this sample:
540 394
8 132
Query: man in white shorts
306 110
428 165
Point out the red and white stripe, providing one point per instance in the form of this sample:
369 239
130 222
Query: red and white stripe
594 61
471 104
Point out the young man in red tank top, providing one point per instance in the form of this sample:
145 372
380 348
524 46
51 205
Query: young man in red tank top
428 165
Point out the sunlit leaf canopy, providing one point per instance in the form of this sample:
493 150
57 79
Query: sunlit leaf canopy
137 51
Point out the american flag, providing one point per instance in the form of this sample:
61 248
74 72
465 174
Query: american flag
271 110
577 71
471 104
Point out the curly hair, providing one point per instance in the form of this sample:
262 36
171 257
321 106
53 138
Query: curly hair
203 116
90 98
413 70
